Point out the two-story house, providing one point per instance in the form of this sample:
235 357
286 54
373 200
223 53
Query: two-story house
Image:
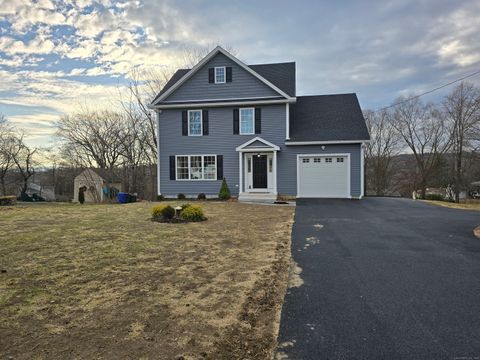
225 119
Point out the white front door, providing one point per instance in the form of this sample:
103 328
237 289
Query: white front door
258 172
323 176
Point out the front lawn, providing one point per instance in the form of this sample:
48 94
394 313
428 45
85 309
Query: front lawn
103 281
472 205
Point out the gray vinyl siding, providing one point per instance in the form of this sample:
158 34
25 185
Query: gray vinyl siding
222 141
243 85
287 165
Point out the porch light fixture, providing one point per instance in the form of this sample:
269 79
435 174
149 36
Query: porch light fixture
323 147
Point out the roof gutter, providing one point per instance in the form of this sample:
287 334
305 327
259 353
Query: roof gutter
289 100
329 142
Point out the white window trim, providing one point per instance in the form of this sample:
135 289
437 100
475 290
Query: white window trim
240 121
201 122
224 74
189 167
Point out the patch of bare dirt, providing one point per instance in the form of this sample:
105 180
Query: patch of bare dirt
254 336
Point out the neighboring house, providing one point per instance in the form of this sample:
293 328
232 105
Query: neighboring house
223 118
97 189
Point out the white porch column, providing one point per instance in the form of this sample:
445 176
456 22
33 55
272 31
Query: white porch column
275 172
240 173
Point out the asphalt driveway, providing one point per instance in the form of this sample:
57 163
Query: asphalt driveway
382 279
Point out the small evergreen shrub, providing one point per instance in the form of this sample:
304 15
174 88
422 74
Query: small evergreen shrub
160 212
224 193
181 196
160 197
201 196
168 213
193 213
81 196
157 210
437 197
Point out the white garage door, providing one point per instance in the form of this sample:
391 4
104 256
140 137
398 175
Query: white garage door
323 176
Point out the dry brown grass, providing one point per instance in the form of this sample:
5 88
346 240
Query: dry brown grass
462 206
103 281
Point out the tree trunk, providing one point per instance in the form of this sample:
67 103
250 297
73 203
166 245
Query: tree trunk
423 188
458 175
4 187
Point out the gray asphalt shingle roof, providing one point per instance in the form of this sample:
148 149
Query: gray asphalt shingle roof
327 118
282 75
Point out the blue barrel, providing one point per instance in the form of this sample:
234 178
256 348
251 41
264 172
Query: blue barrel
122 198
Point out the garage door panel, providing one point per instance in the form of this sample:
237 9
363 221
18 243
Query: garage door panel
319 178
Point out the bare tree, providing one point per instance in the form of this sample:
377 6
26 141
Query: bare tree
23 157
7 149
462 111
424 130
384 144
92 138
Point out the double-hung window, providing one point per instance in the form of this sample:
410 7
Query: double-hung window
247 121
220 75
196 167
195 123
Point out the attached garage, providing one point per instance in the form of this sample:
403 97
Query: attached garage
323 176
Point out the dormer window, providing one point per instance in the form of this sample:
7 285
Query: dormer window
220 75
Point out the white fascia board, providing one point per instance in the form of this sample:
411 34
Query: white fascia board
263 141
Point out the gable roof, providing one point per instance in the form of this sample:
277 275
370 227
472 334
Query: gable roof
175 77
257 140
280 74
183 75
327 118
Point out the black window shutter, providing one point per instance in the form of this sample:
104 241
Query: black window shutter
219 167
229 74
258 120
236 122
172 167
184 123
205 122
211 75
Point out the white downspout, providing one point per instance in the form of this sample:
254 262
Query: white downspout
157 113
362 171
287 121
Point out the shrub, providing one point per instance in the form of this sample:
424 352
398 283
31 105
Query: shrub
160 197
81 195
168 212
7 200
164 211
201 196
193 213
437 197
224 193
157 210
181 196
184 206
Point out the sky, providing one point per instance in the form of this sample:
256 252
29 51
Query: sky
58 55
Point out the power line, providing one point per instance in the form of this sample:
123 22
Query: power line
428 92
